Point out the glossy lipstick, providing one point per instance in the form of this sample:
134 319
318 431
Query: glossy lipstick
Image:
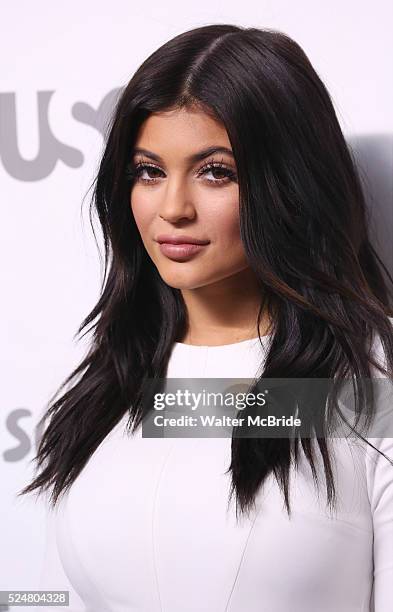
180 248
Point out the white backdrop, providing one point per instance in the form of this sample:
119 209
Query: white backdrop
61 66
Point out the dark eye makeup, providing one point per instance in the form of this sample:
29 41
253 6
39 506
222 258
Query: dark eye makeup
135 170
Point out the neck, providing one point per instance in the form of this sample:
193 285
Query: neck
226 311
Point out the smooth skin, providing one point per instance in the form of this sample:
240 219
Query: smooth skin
178 196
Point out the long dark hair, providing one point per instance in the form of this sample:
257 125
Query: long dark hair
304 225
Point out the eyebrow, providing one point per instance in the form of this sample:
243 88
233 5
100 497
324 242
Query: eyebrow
195 157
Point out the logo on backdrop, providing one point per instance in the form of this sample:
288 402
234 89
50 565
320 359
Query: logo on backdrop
23 443
51 149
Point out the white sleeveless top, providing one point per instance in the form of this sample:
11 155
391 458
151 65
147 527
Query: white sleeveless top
145 527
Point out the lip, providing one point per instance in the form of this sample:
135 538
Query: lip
180 252
180 239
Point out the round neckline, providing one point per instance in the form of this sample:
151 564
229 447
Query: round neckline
221 346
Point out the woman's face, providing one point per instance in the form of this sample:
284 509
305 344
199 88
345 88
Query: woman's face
176 195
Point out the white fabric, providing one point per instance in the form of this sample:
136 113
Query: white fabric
145 526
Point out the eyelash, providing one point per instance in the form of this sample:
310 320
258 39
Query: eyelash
134 170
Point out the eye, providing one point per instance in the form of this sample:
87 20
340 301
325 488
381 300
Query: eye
135 172
217 168
148 173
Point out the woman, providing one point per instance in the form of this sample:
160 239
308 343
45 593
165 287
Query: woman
226 137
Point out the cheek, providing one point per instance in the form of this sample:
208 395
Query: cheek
230 228
142 212
224 221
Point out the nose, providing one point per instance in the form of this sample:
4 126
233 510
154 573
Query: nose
176 203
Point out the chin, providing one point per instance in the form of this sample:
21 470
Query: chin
183 279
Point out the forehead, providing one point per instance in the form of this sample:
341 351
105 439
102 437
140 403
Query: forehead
181 131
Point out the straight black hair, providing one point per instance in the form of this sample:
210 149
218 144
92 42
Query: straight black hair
304 226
